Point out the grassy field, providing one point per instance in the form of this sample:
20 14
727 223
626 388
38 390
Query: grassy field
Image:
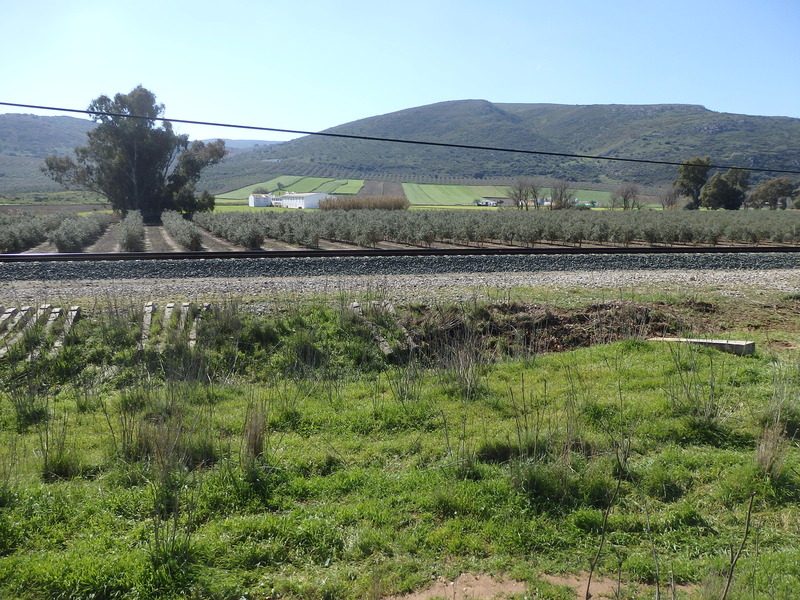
439 195
417 194
303 449
300 185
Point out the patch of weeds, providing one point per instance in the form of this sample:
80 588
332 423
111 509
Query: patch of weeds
588 520
664 480
30 406
642 567
682 515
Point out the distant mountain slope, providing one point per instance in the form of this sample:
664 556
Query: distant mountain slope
668 132
35 136
25 141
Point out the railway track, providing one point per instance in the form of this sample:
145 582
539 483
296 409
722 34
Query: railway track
398 253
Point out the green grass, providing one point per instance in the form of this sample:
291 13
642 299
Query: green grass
274 184
297 184
490 191
348 186
287 455
439 195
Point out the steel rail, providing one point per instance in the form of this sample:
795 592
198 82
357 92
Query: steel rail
388 253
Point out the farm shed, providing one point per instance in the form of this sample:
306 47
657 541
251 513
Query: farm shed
292 200
260 200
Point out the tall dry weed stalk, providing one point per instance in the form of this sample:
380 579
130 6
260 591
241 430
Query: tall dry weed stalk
406 383
693 384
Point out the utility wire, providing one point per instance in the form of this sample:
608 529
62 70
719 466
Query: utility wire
393 140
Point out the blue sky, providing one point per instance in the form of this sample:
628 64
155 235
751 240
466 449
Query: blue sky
312 64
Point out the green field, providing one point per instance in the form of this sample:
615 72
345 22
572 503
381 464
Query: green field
419 194
439 195
490 191
300 185
281 182
304 450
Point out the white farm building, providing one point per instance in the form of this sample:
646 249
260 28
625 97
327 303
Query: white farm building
290 200
260 200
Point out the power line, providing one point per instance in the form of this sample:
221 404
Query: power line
393 140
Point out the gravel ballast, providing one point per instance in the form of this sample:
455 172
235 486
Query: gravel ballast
408 278
404 265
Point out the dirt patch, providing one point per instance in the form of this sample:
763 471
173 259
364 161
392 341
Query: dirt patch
157 240
601 588
467 586
518 328
381 188
607 588
483 587
779 345
213 243
108 242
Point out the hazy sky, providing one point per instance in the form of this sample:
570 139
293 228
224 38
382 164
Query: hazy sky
313 64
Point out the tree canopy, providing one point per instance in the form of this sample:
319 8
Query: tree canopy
773 193
134 162
692 176
726 190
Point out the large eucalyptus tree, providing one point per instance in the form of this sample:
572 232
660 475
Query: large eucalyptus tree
136 161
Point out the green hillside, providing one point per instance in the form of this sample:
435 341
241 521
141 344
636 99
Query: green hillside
657 132
25 140
668 132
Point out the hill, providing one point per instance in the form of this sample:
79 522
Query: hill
25 141
670 132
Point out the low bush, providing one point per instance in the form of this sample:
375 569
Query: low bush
131 232
365 203
21 231
182 231
75 233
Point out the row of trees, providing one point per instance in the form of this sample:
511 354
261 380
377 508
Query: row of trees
22 231
730 190
525 193
424 228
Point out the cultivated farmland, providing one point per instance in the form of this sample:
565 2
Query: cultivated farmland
296 184
508 227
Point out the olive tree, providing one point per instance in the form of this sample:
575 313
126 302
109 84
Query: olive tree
134 162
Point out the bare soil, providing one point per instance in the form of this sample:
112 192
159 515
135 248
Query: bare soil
381 188
156 239
523 328
483 587
50 208
215 244
108 242
466 587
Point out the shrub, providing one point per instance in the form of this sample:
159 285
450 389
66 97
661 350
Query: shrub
365 203
182 231
75 233
131 232
21 231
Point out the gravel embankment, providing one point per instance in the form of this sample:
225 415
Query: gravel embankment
414 278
